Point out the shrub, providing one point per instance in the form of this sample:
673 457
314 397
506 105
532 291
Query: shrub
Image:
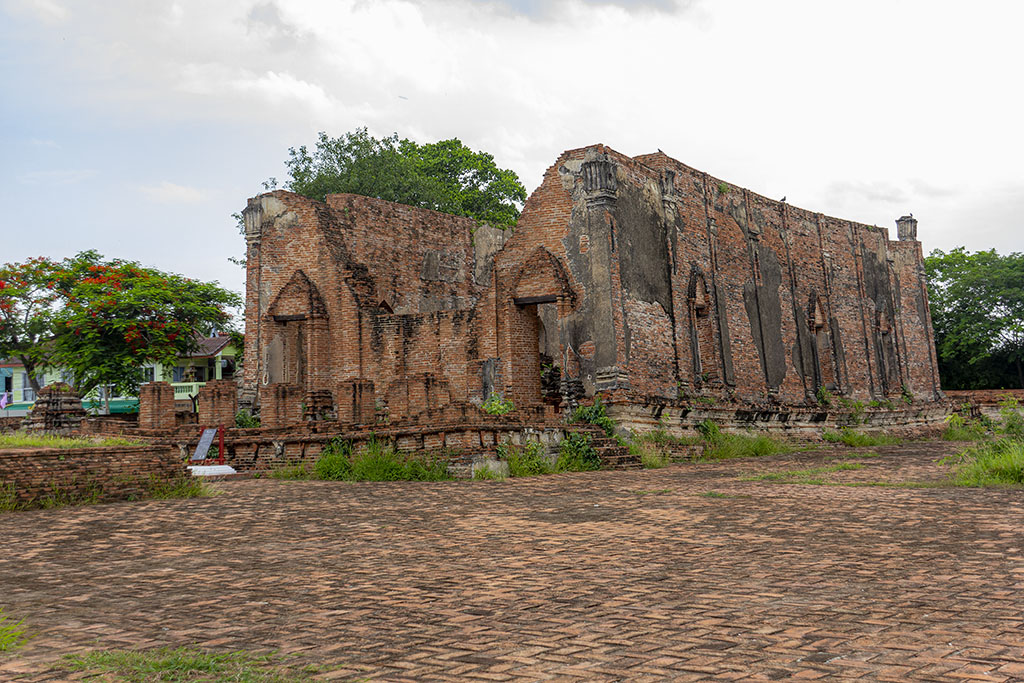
526 460
496 405
487 473
959 428
595 415
576 454
851 437
335 461
246 420
999 462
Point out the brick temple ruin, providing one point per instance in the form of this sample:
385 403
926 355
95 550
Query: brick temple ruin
639 279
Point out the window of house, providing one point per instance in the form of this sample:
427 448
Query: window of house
148 374
178 374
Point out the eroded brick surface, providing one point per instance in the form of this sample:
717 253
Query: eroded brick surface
594 577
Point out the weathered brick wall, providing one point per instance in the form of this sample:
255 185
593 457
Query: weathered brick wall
94 474
641 277
218 403
156 406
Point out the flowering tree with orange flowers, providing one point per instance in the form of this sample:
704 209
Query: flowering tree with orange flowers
103 320
29 300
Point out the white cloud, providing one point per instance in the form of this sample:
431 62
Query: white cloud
57 177
171 193
47 11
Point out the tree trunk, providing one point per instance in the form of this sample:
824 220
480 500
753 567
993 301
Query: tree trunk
30 370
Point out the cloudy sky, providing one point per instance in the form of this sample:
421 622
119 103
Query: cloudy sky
137 127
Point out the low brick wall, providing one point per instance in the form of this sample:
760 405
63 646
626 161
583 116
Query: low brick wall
985 401
32 476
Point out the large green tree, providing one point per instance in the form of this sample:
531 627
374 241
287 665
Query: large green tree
977 304
103 320
444 176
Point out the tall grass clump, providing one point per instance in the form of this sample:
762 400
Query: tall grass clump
959 428
376 461
525 460
23 440
576 454
722 446
995 463
651 456
12 633
851 437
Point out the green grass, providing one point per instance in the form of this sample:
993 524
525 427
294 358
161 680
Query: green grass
576 454
300 471
185 664
723 446
488 473
12 633
22 440
996 463
851 437
803 476
526 460
655 492
71 494
660 437
377 461
651 456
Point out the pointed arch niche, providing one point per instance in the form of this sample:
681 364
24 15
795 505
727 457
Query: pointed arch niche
702 328
821 345
296 334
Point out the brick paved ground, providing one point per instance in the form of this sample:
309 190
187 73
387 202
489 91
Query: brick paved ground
596 576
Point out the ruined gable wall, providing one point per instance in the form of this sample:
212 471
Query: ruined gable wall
419 260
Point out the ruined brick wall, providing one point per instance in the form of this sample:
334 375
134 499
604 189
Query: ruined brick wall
218 403
95 474
638 276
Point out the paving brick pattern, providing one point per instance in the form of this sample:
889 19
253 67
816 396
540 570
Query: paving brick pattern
606 576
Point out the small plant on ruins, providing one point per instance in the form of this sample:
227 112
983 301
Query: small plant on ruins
524 460
824 397
596 415
851 437
576 454
906 395
298 472
1011 420
723 188
377 461
12 633
246 420
496 405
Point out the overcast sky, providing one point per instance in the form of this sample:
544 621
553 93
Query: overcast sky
137 127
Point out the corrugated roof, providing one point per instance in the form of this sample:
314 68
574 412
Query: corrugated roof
210 346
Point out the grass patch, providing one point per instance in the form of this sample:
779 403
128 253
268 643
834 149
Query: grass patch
22 440
722 446
660 437
181 487
300 471
857 456
526 460
851 437
185 664
376 461
651 456
719 494
803 476
488 473
12 633
996 463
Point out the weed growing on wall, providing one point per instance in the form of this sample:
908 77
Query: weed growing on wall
595 415
246 420
496 405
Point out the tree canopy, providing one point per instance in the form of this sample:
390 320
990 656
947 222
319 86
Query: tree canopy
977 304
445 176
103 320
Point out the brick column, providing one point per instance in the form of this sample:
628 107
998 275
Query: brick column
218 403
156 406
